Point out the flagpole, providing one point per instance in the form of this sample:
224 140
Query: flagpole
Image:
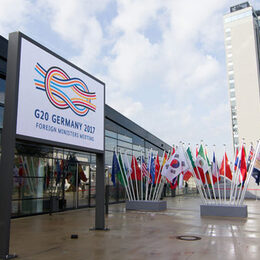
128 186
147 184
225 194
232 182
236 178
235 186
201 183
241 186
250 173
160 181
193 174
150 192
206 178
157 177
219 194
211 178
131 182
122 176
136 184
142 195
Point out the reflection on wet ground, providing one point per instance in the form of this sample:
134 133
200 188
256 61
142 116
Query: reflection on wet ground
139 235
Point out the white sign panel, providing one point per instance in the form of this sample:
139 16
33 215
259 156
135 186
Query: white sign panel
57 102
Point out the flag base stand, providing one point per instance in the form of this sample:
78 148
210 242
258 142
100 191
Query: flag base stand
146 205
223 211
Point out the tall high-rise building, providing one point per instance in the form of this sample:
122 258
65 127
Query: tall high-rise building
242 43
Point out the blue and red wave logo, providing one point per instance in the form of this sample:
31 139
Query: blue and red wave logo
64 92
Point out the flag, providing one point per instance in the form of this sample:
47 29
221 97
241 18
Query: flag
202 164
225 169
201 160
187 175
256 169
157 170
151 168
197 151
144 169
121 174
175 165
180 181
173 183
215 169
236 160
136 171
164 159
214 178
115 169
250 156
127 166
199 175
242 166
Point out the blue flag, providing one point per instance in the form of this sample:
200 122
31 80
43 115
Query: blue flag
115 169
151 169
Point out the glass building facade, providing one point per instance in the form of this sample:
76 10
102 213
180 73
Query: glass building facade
49 179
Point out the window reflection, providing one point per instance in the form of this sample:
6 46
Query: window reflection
2 90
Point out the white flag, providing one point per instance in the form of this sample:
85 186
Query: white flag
175 165
127 166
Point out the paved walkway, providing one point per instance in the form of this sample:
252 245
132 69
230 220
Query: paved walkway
138 235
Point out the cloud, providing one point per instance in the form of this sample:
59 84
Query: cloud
14 15
162 61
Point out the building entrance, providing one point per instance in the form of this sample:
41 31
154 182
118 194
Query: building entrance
50 180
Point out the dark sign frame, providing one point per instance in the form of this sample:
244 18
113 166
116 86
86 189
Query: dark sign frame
9 138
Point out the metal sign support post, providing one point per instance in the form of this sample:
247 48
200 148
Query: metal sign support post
8 145
100 193
10 134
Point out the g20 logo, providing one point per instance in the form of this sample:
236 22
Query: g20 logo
64 92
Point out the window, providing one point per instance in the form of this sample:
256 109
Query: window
110 134
124 138
233 102
232 94
124 144
228 34
2 90
237 17
110 143
231 77
1 116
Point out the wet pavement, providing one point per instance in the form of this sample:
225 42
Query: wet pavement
139 235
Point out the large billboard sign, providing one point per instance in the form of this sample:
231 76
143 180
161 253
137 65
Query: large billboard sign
58 102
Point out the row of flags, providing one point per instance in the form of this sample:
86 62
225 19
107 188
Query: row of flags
180 164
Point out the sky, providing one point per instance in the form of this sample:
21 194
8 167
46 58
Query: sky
163 61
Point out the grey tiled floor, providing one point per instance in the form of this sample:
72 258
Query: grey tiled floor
139 235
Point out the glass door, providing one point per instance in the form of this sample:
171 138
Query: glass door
84 187
71 182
